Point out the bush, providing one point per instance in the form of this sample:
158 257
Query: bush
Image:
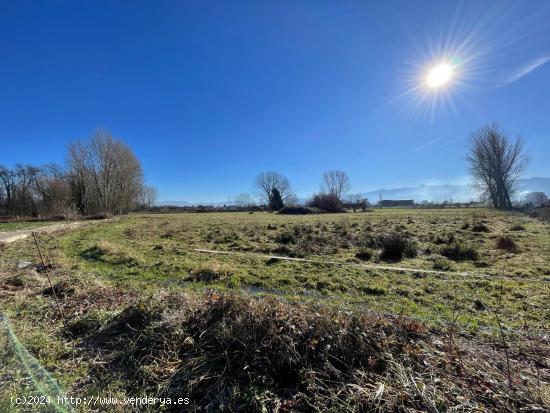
364 254
299 210
480 228
396 246
517 227
327 202
506 243
459 252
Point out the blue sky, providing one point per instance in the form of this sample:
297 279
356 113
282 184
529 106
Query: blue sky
210 93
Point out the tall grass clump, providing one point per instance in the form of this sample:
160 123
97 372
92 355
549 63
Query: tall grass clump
459 252
395 246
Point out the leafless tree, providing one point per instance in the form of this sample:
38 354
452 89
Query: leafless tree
33 191
496 164
244 200
105 175
267 181
336 183
357 201
8 180
52 189
148 197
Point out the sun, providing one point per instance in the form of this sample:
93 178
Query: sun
439 75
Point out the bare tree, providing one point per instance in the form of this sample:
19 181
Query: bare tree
33 191
336 183
9 184
244 200
357 201
267 181
148 197
496 164
105 175
52 189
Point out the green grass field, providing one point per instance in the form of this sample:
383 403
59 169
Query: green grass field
491 268
156 251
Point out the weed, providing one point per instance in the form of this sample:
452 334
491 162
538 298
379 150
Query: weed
210 273
459 252
506 243
395 246
364 254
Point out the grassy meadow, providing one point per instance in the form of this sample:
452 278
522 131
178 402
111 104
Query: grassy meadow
480 271
156 251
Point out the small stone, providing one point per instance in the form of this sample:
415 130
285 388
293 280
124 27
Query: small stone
23 264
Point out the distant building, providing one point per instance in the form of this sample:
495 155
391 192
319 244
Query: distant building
537 199
397 202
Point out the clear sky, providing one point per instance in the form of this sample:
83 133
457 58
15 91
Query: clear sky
210 93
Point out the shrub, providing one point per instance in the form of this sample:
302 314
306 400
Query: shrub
480 227
506 243
327 202
299 210
364 254
517 227
459 252
395 246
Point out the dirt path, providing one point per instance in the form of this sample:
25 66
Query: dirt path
12 236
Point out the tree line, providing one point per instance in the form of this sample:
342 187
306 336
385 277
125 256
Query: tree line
101 175
496 163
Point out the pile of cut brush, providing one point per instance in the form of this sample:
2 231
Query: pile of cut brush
236 353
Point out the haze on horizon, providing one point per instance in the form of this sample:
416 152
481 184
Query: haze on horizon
210 95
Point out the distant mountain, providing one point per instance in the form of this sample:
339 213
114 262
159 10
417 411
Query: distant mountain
186 203
455 193
430 193
174 203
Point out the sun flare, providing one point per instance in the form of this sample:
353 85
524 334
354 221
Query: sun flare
439 75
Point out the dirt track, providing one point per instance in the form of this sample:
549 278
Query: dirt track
12 236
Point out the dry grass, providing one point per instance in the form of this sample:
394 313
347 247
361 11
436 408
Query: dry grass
316 337
232 353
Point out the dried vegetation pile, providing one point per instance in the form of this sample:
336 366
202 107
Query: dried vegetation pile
234 353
